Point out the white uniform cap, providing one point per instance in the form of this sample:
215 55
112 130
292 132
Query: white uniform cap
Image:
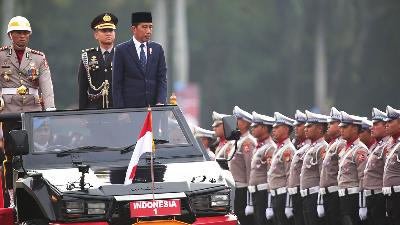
282 119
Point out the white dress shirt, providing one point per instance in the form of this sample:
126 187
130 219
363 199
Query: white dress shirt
137 46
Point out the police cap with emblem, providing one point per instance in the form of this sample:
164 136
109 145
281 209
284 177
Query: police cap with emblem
334 115
392 113
300 118
141 17
348 119
281 119
241 114
262 119
104 21
217 118
378 115
315 118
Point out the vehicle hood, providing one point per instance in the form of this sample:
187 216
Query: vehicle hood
179 177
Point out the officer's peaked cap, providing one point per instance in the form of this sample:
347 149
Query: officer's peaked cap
282 119
392 113
315 118
241 114
334 115
366 124
349 119
104 21
217 118
299 118
262 119
378 115
201 132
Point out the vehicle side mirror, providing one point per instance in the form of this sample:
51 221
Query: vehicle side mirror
19 142
223 163
231 131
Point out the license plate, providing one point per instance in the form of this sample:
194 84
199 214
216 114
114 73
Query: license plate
149 208
161 222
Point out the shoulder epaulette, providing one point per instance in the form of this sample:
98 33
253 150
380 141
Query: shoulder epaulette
37 52
88 50
4 48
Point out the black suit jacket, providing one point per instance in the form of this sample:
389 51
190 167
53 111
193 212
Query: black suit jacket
133 86
99 71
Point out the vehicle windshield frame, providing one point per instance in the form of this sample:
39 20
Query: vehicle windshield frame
189 149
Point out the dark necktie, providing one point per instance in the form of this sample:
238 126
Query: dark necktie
106 55
142 57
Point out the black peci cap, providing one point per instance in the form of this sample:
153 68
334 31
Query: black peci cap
141 17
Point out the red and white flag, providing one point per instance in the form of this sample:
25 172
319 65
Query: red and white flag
144 144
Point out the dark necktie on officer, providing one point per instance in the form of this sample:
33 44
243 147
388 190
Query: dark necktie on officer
142 57
106 55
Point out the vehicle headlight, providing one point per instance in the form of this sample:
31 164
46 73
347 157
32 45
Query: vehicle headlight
74 207
219 200
96 208
211 203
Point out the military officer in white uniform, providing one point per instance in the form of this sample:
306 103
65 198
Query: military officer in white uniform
373 173
206 137
260 164
224 147
328 204
25 82
301 143
391 173
240 166
279 172
351 170
300 137
365 135
24 74
316 127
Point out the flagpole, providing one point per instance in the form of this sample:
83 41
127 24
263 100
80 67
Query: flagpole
151 156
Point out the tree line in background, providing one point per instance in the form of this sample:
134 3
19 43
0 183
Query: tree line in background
257 54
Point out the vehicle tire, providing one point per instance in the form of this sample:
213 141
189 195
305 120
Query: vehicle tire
35 222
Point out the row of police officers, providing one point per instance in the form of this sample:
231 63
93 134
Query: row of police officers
339 169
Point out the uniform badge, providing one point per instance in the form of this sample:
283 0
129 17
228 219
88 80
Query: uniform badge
246 147
93 64
228 151
287 156
6 75
323 153
268 158
361 155
6 63
106 18
32 71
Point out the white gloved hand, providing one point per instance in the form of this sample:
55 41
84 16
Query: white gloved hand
269 213
249 210
362 212
321 211
51 109
289 212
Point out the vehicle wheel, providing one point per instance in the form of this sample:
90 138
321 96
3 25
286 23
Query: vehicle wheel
35 222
